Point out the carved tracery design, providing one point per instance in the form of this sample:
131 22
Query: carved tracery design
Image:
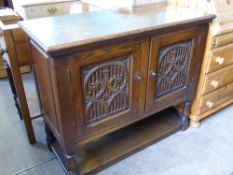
105 89
172 68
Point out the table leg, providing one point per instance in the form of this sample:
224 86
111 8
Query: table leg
13 90
19 85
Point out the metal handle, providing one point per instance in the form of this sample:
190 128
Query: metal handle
214 83
138 77
220 60
153 73
52 10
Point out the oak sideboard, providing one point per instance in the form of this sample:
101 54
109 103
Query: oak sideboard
108 80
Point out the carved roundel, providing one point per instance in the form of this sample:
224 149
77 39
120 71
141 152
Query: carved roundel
105 89
172 67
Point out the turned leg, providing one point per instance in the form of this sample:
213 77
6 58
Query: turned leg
49 136
71 165
194 124
185 115
13 89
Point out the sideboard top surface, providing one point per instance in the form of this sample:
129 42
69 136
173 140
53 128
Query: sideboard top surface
63 32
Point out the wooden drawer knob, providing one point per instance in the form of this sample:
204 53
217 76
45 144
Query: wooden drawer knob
220 60
214 83
210 104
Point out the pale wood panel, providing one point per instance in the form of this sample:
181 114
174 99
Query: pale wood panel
218 79
200 116
224 10
224 39
220 58
46 10
216 69
216 98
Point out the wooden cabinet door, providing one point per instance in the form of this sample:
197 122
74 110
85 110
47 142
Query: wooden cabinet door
105 86
173 66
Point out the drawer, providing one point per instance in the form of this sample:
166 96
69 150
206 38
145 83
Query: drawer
216 98
220 58
46 10
218 79
224 39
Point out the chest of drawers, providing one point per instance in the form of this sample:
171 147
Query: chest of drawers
45 8
101 83
214 90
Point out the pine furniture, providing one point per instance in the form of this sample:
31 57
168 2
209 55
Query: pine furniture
215 85
30 9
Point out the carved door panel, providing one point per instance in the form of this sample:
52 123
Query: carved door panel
169 76
105 90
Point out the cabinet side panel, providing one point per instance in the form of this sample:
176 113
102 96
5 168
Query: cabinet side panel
43 77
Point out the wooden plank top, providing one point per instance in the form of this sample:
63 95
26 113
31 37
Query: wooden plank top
63 32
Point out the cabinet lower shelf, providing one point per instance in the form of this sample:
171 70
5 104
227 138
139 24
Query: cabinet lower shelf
111 148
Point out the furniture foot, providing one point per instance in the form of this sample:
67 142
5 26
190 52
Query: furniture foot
185 115
68 160
49 136
71 165
185 122
194 124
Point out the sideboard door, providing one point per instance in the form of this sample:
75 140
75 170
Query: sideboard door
172 68
105 86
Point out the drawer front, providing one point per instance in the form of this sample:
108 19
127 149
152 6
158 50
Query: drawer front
218 79
216 98
220 58
224 39
47 10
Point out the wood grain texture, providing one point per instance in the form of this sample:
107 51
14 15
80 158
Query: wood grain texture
111 83
19 55
131 52
98 154
218 79
216 98
220 58
105 25
19 85
217 64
